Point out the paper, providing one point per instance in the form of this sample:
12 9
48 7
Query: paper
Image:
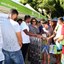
51 49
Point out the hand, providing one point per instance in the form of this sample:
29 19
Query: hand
55 39
39 36
48 39
21 45
44 38
58 41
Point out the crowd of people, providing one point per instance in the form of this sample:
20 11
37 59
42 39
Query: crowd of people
15 38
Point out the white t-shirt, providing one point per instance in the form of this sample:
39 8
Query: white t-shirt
1 44
45 30
58 33
9 29
25 37
15 25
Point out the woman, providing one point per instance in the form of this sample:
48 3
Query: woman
57 30
58 34
33 27
34 43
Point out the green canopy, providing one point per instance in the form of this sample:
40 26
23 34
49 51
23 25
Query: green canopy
20 8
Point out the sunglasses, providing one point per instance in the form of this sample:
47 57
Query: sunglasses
33 21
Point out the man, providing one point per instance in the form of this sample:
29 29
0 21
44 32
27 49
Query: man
40 26
26 34
19 21
1 43
12 40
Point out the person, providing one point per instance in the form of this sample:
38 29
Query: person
47 32
26 34
60 38
52 48
12 39
40 25
19 21
33 27
56 34
34 42
1 39
52 24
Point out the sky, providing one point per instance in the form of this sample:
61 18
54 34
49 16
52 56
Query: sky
16 0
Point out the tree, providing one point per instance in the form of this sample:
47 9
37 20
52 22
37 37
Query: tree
34 3
24 1
59 9
48 5
53 8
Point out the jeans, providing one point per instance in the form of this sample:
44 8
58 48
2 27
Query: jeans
0 62
13 57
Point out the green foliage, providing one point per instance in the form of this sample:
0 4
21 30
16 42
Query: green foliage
55 7
24 1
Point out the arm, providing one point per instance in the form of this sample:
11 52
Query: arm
60 38
31 34
25 28
18 34
62 34
53 35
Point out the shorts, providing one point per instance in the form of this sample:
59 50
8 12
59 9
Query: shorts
45 49
53 49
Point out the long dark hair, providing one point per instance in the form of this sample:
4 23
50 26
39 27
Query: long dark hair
54 24
32 20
